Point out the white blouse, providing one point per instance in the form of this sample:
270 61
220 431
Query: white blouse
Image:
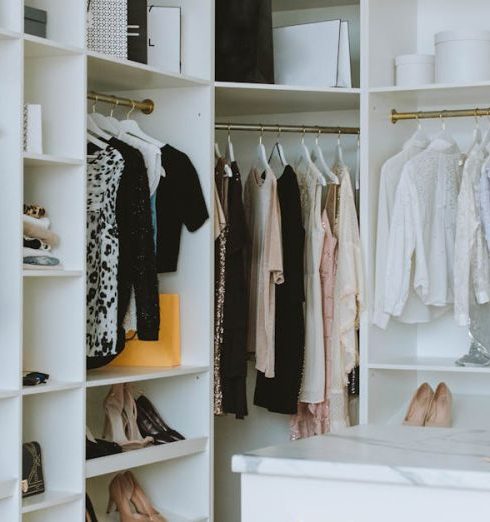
423 229
415 311
471 263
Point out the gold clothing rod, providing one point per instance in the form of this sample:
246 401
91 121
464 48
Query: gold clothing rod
145 106
305 129
426 115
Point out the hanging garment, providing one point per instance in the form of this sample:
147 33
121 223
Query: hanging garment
414 311
180 201
313 382
485 201
220 237
234 348
103 177
348 297
136 265
265 267
280 394
471 263
424 226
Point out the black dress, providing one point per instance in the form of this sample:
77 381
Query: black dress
280 394
137 262
234 350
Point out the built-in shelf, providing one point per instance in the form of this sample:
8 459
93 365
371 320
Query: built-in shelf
50 386
236 99
145 456
438 94
426 364
109 375
48 499
37 47
27 272
49 160
7 488
109 73
293 5
8 394
6 34
168 515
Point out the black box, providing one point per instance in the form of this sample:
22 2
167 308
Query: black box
138 30
35 21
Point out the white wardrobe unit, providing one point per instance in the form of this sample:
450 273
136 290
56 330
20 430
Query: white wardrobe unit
397 360
43 312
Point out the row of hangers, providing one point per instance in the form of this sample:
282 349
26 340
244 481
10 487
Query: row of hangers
316 157
101 127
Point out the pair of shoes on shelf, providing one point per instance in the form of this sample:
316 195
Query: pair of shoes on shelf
89 510
151 423
95 448
430 409
121 419
128 498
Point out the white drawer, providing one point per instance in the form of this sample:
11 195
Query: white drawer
279 499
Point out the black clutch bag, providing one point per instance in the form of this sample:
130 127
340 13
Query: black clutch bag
32 469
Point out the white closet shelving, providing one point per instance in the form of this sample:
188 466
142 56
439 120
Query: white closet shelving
43 312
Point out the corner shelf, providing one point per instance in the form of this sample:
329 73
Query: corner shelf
7 488
50 160
120 374
437 94
37 47
48 499
426 364
110 73
52 273
235 99
145 456
50 387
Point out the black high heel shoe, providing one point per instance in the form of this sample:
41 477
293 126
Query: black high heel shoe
152 425
89 510
95 448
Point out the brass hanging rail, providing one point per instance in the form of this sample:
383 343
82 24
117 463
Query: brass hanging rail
426 115
145 106
305 129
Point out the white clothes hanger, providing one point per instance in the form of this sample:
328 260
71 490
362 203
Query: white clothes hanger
477 135
262 154
319 159
444 139
104 123
280 150
93 127
131 127
95 141
217 156
486 138
339 154
306 158
230 151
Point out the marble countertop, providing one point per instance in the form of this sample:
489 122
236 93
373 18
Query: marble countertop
450 458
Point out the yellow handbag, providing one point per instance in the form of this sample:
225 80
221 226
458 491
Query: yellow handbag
162 353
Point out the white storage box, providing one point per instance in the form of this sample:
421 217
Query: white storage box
164 37
312 54
33 131
414 69
462 56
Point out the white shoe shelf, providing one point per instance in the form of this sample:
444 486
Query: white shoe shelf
42 312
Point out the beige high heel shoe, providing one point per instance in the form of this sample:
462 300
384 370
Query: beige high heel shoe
141 502
115 423
130 413
120 493
440 410
419 406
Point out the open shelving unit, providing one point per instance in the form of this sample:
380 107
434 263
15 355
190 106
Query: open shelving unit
57 72
43 311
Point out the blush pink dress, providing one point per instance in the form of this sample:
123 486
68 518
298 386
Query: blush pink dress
314 419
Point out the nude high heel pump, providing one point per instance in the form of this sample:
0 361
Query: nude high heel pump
440 411
131 415
115 423
120 493
141 501
419 406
